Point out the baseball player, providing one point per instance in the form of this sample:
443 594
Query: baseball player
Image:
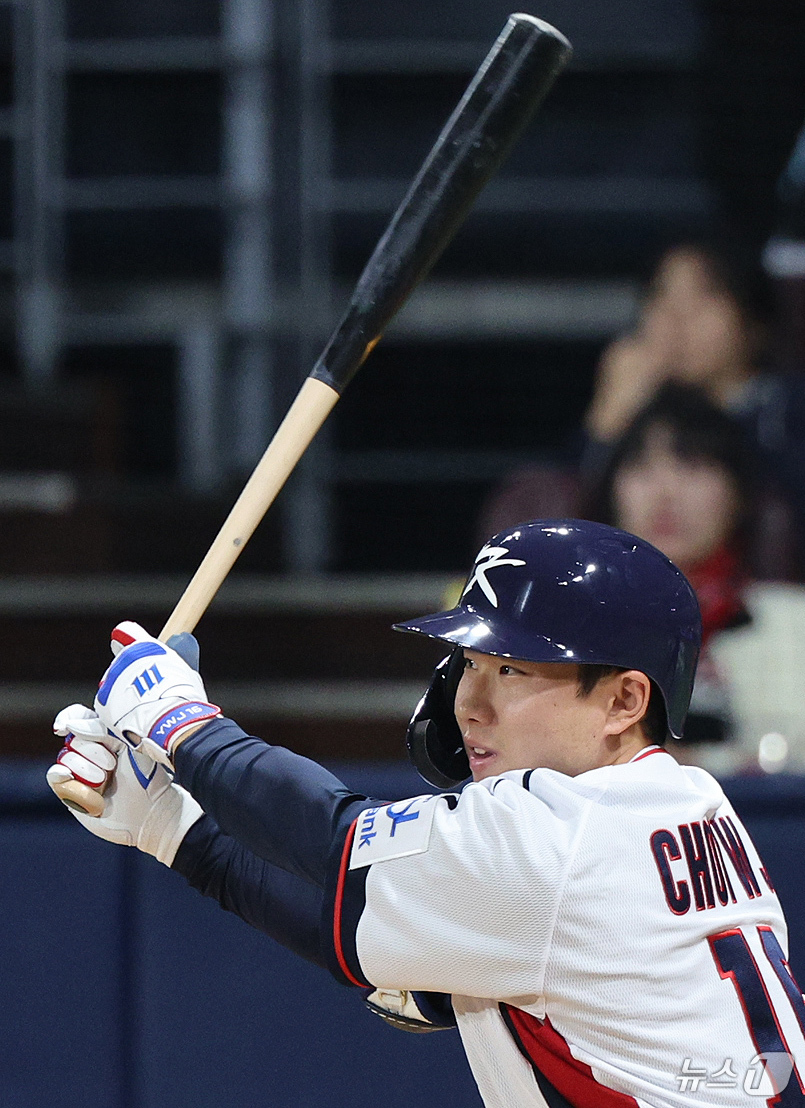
591 914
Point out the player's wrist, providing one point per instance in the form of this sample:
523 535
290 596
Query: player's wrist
177 720
186 734
174 725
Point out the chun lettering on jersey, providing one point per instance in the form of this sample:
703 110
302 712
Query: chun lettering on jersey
701 849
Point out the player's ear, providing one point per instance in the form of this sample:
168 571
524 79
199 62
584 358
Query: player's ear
630 692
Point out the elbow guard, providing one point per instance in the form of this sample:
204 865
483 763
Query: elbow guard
415 1012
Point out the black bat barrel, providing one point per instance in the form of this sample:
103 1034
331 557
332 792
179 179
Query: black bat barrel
503 95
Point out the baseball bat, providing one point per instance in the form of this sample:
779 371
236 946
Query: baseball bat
500 100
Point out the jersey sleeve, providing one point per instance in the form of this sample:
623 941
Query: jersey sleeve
274 901
285 809
452 894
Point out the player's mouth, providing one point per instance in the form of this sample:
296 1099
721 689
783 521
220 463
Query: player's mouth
480 757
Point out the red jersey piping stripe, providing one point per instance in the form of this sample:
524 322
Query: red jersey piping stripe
339 901
645 753
550 1054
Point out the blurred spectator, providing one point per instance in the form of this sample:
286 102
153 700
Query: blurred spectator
684 476
704 321
707 320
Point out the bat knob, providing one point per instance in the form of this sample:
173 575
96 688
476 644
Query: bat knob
81 798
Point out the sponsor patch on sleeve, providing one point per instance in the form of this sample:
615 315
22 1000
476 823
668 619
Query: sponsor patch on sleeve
393 831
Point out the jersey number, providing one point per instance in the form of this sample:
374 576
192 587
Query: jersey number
735 960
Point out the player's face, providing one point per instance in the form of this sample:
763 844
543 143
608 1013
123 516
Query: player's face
530 715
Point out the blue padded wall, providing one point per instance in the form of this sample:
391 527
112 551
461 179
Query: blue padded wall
123 988
59 966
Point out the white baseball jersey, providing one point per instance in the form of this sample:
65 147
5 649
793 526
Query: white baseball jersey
609 940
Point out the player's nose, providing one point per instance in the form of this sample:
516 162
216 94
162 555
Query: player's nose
472 699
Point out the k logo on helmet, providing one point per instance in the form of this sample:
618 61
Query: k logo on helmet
489 558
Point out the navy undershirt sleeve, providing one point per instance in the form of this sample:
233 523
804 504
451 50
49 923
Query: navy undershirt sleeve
287 810
278 903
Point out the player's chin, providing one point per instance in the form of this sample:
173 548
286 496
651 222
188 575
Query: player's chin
483 765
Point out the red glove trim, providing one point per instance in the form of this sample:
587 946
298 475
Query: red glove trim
67 749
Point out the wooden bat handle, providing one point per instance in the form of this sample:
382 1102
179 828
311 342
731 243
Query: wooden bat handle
314 402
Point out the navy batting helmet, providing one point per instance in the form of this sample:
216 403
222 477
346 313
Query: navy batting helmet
560 591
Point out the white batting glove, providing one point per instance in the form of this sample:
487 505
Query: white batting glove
143 807
83 757
149 695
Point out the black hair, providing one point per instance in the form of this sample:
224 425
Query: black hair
734 267
699 431
654 722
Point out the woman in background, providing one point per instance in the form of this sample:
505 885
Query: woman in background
707 321
684 477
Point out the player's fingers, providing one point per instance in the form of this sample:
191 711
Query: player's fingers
94 752
92 731
87 761
78 719
82 769
57 775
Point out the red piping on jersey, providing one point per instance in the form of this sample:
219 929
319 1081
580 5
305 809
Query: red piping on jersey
549 1053
645 753
339 900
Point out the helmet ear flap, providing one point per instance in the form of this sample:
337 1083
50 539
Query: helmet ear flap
435 745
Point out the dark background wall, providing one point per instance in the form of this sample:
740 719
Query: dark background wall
675 116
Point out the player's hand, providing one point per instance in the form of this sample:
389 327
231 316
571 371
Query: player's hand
631 369
83 757
149 695
143 807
